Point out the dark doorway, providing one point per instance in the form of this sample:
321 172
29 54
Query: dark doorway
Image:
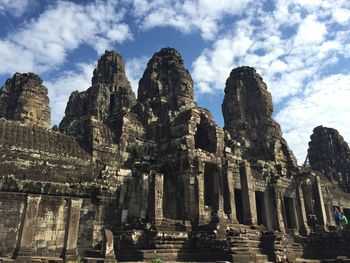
212 182
289 211
239 205
260 207
205 137
208 186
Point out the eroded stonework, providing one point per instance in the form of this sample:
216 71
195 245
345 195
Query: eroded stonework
23 98
155 177
330 154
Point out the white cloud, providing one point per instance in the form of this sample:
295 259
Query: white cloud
324 102
290 46
61 87
44 43
14 7
186 16
134 68
341 15
310 31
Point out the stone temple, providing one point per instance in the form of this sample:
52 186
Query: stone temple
152 177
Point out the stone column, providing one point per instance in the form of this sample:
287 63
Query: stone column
200 192
70 252
217 205
24 253
294 214
267 206
156 193
231 193
108 251
248 195
330 215
279 210
200 185
320 202
300 204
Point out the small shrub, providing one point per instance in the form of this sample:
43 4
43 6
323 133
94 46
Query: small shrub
156 260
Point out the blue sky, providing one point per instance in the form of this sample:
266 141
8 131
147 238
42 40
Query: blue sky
301 48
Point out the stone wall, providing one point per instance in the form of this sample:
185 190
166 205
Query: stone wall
11 211
31 152
50 226
48 236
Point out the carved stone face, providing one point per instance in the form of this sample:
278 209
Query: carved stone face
166 83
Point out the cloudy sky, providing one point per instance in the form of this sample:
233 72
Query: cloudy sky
300 47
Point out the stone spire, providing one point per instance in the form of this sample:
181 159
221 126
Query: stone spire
166 85
110 72
247 110
23 98
330 154
109 94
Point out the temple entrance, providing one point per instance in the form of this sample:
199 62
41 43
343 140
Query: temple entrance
208 187
289 212
211 186
239 205
260 208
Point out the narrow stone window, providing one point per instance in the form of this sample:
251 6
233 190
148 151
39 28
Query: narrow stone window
205 137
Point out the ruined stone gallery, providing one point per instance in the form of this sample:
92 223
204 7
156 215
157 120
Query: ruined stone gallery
130 179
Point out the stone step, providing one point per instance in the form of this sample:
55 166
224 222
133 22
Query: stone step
170 246
47 259
162 241
253 237
179 256
93 260
93 253
237 250
261 258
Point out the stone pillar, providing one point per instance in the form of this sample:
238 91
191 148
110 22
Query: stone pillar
279 210
320 202
248 195
231 193
24 251
295 219
70 253
108 251
156 194
330 215
200 192
200 186
268 208
217 205
300 205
